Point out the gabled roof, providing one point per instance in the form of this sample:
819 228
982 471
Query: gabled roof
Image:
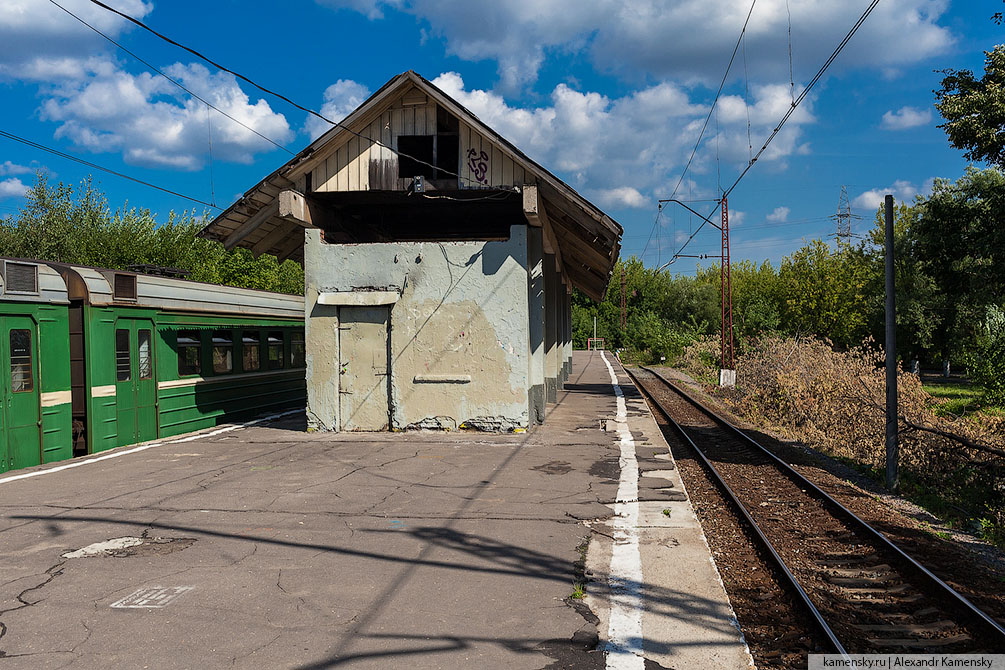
587 239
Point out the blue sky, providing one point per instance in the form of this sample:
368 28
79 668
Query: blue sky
609 95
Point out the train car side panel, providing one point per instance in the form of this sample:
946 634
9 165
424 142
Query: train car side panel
54 364
216 369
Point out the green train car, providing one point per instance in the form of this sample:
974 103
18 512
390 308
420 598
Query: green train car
103 358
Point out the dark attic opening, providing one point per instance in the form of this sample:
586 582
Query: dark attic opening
386 216
435 157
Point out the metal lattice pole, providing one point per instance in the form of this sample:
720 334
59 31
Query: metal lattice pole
727 294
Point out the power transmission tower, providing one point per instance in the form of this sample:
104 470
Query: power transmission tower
844 217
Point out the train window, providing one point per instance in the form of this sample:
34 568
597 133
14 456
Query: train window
223 351
146 359
298 357
275 350
251 343
189 353
122 371
21 375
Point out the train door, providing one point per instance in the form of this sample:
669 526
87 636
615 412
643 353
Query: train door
20 437
364 368
135 386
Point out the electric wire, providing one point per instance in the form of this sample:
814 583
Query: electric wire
792 79
802 95
174 81
746 99
95 166
276 94
707 116
792 108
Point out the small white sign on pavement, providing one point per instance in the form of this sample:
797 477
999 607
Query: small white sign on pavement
150 597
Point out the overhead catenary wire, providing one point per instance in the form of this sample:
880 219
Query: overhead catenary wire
95 166
711 109
276 94
792 108
174 81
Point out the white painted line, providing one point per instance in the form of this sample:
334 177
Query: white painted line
103 391
54 398
152 597
143 447
624 629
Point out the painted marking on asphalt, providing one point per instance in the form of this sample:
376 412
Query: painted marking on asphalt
143 447
624 630
152 597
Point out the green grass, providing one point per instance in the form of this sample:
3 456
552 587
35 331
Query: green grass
960 398
577 592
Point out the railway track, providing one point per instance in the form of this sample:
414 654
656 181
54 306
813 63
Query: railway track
860 591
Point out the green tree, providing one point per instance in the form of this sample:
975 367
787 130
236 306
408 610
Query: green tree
61 223
917 293
824 292
974 109
960 242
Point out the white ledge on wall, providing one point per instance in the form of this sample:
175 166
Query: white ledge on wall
358 298
442 379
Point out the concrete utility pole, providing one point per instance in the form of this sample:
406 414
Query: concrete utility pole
892 450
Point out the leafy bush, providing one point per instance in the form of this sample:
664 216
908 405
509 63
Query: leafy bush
986 360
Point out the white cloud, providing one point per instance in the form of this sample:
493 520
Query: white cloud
146 119
340 99
7 168
779 215
42 42
906 117
12 188
736 217
623 151
682 40
623 196
901 190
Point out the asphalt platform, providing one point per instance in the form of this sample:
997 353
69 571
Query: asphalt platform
265 546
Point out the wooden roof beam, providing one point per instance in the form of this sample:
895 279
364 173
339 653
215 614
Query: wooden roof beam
537 216
251 225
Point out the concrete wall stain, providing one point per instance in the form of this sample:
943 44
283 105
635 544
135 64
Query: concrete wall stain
462 311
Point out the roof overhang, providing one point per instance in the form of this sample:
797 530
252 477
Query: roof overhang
269 217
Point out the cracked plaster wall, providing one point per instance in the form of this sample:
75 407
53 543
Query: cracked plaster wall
462 312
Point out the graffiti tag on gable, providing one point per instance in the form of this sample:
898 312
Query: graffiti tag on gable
478 163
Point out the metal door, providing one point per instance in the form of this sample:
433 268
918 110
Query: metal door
364 368
135 386
21 416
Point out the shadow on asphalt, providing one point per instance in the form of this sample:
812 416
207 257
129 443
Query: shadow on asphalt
505 559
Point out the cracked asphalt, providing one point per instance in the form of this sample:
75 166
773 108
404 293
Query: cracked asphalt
268 547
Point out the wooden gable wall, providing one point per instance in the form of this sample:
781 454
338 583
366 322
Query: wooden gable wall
361 165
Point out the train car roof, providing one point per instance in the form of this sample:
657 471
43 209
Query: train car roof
122 288
23 280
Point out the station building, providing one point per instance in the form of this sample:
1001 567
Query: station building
439 262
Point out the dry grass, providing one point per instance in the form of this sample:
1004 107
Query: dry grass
835 401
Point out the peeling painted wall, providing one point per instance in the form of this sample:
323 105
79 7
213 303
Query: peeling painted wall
460 347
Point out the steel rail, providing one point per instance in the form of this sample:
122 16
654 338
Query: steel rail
818 619
956 600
